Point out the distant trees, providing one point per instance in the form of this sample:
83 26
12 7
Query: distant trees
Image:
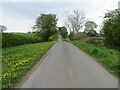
90 28
2 28
29 32
111 28
74 23
45 26
63 31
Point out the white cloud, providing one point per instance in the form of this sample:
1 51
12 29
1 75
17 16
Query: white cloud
20 24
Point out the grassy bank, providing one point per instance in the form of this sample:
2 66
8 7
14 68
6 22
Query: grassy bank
18 60
106 56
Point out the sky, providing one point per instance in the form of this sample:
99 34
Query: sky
20 15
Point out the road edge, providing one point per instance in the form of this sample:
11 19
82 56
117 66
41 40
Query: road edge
29 73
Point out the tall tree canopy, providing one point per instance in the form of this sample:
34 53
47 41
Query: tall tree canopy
63 31
45 26
90 28
90 25
111 27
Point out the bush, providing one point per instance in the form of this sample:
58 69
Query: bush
95 40
53 37
9 39
94 51
83 36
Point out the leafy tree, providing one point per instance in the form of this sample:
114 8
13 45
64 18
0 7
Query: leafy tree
2 28
90 28
90 25
45 26
101 32
111 28
63 31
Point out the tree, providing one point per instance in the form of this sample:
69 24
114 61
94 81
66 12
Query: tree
29 32
45 26
2 28
101 32
63 31
75 22
111 28
90 28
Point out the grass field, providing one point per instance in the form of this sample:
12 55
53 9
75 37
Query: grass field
25 34
18 60
106 56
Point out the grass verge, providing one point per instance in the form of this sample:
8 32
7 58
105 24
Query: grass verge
106 56
18 60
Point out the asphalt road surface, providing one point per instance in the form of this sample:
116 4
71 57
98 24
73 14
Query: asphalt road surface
65 66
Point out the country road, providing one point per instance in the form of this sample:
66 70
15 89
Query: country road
65 66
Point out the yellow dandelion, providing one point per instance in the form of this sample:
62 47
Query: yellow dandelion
14 75
13 69
17 67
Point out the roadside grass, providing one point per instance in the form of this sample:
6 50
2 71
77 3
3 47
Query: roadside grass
18 60
106 56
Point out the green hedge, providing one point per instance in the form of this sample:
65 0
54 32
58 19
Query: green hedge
14 39
53 37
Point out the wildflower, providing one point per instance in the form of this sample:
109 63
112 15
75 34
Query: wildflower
6 74
17 67
13 69
14 75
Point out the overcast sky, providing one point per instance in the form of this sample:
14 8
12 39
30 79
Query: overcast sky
20 15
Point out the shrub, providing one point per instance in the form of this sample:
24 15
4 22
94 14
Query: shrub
95 40
83 36
53 37
94 51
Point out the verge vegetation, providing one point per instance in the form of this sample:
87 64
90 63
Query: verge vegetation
108 57
103 45
18 60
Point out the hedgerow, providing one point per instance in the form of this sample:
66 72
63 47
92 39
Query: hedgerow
9 39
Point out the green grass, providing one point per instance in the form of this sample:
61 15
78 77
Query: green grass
18 60
106 56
